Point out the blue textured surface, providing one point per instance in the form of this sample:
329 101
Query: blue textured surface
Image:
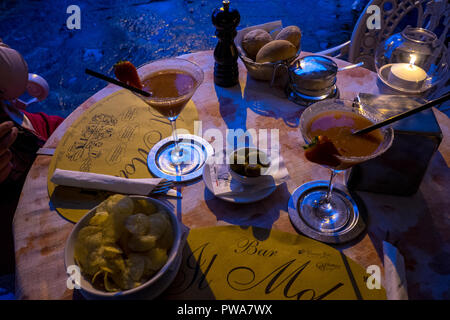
140 31
7 287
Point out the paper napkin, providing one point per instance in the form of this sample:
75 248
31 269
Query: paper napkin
394 273
88 180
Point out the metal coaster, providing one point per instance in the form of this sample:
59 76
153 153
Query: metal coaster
306 100
201 151
352 228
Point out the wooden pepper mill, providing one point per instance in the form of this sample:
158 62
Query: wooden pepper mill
226 73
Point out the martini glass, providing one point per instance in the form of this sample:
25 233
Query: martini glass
175 158
322 208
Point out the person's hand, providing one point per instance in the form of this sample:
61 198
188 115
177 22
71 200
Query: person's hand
8 134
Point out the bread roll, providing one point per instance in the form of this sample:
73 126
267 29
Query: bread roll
275 51
255 40
291 34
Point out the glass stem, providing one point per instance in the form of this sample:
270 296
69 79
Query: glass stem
177 148
330 186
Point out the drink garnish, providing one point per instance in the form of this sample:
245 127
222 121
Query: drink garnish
321 150
126 72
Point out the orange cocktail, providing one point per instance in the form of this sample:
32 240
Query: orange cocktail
172 82
338 126
327 127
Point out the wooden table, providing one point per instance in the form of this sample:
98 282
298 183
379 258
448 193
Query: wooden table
420 222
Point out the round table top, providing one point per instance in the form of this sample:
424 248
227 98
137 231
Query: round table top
421 222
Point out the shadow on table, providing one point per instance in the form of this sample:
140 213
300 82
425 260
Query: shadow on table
259 97
232 107
418 226
72 198
191 281
271 102
261 214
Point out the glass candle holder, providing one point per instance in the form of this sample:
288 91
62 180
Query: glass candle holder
412 61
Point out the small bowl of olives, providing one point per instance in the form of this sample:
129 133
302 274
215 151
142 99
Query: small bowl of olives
250 166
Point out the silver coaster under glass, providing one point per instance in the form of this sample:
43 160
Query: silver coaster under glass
343 231
307 98
196 151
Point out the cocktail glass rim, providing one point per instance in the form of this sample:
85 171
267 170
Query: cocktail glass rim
383 146
169 100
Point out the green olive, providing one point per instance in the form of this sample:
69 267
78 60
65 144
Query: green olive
249 162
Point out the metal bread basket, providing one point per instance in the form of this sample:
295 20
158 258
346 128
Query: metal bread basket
261 71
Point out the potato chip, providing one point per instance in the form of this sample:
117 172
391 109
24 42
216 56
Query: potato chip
166 240
136 264
158 224
94 261
123 242
99 218
118 264
119 274
90 236
111 251
120 205
144 206
148 272
138 224
88 240
96 276
123 280
110 286
112 231
141 243
119 208
158 258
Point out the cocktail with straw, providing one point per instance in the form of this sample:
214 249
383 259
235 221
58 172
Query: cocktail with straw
327 127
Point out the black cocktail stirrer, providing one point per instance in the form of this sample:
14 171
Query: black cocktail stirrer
403 115
117 82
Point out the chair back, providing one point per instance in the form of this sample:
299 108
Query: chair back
433 15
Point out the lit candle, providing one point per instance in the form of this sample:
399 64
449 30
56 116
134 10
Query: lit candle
407 75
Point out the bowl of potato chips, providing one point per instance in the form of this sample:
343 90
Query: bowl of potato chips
125 247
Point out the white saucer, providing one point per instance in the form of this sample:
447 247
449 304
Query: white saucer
249 195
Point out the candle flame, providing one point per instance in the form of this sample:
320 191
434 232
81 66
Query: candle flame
413 59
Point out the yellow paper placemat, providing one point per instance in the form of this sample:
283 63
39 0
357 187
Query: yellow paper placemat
112 137
232 262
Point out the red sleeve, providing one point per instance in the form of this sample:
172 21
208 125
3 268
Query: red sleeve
43 124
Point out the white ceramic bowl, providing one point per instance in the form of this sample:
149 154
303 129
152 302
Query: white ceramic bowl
249 181
145 289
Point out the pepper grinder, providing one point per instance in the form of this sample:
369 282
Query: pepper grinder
226 73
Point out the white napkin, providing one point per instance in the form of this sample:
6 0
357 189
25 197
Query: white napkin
87 180
394 273
223 183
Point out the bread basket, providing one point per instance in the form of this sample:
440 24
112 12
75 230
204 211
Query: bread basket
260 71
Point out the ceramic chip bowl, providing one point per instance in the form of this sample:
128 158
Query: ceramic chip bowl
152 287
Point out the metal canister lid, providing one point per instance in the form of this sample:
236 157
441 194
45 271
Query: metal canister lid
314 67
